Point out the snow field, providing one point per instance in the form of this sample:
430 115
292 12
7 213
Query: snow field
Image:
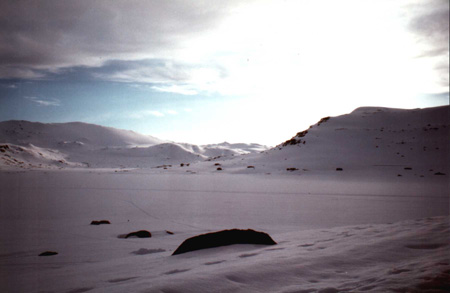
337 242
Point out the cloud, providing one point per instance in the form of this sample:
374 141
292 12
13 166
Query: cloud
235 48
44 102
163 75
430 25
47 35
178 89
145 113
172 112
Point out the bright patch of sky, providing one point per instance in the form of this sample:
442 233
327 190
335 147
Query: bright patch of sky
210 71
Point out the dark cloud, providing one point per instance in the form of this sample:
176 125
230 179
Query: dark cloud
430 24
53 34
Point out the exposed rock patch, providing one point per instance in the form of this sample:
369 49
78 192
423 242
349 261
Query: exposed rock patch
102 222
139 234
224 238
48 253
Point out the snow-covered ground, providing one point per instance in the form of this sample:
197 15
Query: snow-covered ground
379 225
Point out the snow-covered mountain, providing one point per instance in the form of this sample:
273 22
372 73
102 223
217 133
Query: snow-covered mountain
370 139
36 145
73 134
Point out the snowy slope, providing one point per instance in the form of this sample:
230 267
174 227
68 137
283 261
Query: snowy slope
333 236
81 144
33 157
70 135
370 140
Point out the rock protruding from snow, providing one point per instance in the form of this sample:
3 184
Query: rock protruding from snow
102 222
48 253
139 234
224 238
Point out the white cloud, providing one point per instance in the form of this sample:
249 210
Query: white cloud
44 102
177 89
171 112
145 113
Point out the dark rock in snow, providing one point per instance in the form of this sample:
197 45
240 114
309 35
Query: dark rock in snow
102 222
439 173
324 119
169 232
139 234
339 169
224 238
291 169
48 253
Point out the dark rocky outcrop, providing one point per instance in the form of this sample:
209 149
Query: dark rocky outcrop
139 234
102 222
224 238
296 139
339 169
48 253
324 119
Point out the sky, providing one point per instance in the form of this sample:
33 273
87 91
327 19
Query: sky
212 71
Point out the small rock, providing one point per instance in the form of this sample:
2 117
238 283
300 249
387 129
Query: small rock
102 222
139 234
48 253
339 169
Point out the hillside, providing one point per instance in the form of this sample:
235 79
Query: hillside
70 135
59 145
372 140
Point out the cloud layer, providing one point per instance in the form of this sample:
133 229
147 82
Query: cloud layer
51 34
228 47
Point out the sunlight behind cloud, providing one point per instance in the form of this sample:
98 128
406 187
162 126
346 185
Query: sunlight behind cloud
306 50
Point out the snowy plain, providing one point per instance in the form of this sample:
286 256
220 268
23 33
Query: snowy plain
380 225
